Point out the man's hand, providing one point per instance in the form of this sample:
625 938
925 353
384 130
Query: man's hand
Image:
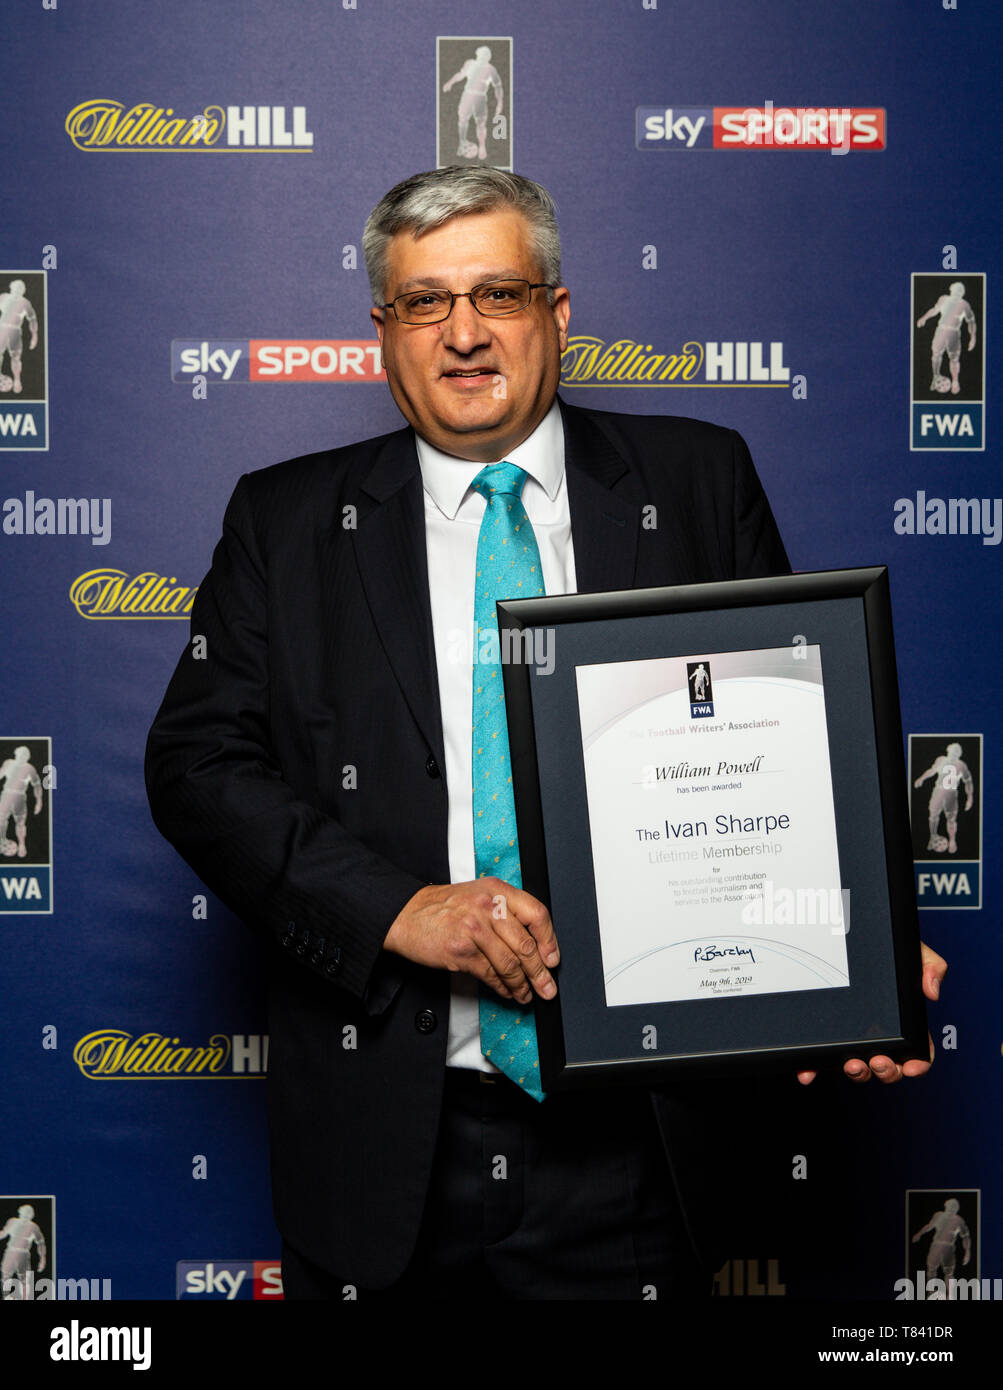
487 928
934 970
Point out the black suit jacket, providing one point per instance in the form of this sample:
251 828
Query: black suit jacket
297 768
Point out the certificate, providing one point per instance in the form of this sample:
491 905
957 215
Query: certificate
712 825
710 799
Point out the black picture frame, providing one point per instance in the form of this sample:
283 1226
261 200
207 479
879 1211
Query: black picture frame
583 1040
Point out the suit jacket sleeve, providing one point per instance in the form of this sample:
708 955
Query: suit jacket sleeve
759 551
218 795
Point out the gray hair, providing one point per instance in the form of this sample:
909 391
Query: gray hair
426 201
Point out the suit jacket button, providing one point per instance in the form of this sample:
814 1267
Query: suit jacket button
431 766
317 958
425 1021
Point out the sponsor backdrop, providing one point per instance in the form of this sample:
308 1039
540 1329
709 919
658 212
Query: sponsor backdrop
775 216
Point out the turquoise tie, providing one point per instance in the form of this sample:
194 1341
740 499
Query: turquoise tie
508 566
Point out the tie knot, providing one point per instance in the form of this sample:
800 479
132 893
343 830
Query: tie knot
497 478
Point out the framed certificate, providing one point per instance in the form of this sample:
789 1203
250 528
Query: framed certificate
710 798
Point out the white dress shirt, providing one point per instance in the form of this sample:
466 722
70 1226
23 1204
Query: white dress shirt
453 515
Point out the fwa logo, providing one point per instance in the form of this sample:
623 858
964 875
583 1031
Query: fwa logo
948 362
27 779
943 1247
945 781
24 408
701 690
473 105
28 1238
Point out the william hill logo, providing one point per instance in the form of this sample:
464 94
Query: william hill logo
109 125
111 1053
106 593
591 361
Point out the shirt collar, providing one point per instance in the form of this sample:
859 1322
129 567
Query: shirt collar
447 479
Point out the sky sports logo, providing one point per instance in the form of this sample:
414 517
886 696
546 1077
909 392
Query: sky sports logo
229 1280
276 359
838 129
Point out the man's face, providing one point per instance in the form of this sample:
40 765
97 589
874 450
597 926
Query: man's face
512 364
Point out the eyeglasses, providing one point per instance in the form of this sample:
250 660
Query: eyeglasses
494 300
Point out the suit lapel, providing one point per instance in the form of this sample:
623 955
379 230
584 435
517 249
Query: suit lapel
604 526
391 555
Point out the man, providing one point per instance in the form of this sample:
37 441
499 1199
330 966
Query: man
316 770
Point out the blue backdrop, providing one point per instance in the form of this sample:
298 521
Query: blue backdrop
184 193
